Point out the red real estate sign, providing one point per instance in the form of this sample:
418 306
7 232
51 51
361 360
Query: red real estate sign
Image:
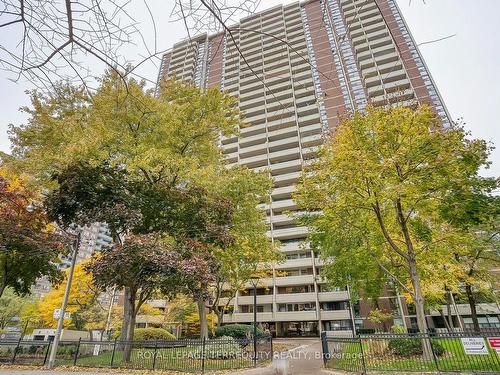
494 343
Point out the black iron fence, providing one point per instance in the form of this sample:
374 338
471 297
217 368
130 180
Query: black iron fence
182 355
443 352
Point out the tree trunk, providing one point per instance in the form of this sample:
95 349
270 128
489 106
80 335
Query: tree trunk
219 310
202 311
448 312
418 299
446 323
472 304
3 271
129 317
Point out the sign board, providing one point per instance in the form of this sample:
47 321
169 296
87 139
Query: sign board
57 314
97 348
494 343
474 345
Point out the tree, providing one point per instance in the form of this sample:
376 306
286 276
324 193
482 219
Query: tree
473 208
143 265
251 251
379 183
29 247
83 297
139 163
11 306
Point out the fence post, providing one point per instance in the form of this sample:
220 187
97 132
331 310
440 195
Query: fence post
324 348
154 354
113 355
254 350
362 354
47 353
434 355
77 351
203 356
16 349
272 351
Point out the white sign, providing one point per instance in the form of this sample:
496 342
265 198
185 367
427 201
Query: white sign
474 345
57 314
96 349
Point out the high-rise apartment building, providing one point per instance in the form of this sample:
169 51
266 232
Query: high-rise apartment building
93 237
296 70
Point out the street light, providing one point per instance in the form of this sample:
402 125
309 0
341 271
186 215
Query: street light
57 336
254 280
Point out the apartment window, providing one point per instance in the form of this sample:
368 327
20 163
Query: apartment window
294 307
338 325
333 306
296 289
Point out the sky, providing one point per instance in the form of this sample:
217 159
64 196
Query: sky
465 66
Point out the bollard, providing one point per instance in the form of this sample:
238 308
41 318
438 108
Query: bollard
281 366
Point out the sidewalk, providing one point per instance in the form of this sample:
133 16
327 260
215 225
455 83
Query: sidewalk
303 360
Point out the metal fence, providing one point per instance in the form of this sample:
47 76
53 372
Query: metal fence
446 352
188 355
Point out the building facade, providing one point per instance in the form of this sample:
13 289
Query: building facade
93 238
296 71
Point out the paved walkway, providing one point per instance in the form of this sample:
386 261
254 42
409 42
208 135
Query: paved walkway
305 359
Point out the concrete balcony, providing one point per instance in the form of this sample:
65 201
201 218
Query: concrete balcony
247 317
288 233
283 122
291 316
294 263
254 161
295 298
280 219
286 179
463 309
278 134
294 280
250 130
282 192
268 282
253 140
333 296
248 300
309 119
295 246
335 315
286 167
283 156
310 130
312 140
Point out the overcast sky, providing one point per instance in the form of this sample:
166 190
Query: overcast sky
465 67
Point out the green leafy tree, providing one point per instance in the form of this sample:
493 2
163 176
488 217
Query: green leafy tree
475 209
11 306
251 252
379 183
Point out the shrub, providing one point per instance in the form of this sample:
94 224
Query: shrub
237 331
145 334
407 347
223 347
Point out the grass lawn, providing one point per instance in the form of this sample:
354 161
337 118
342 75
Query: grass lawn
377 357
180 358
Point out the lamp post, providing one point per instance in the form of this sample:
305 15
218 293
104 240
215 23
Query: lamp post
254 280
57 336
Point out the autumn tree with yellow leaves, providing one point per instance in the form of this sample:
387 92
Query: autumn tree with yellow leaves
375 198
